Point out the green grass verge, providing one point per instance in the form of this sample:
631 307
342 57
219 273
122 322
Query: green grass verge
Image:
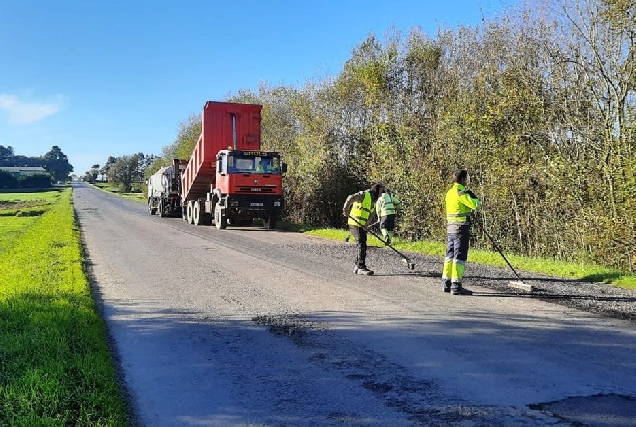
584 272
18 211
55 364
137 196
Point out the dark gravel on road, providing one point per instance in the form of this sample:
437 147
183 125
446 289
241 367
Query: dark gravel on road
603 299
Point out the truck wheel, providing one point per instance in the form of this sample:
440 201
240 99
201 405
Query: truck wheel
162 209
190 217
198 214
150 209
220 221
270 222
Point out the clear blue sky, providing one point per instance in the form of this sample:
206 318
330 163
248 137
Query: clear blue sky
100 78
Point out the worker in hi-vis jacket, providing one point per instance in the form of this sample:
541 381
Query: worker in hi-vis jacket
358 208
386 208
460 203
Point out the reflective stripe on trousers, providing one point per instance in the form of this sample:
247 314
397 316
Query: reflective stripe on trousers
456 255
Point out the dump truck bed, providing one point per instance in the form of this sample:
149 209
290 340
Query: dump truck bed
223 126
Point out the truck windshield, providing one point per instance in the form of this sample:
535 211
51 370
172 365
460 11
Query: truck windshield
253 164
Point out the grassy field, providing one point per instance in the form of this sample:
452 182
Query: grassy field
55 365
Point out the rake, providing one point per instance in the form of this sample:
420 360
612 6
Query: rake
409 264
514 283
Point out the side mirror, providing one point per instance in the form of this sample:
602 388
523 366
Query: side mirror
283 168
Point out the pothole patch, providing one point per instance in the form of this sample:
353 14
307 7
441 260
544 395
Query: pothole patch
293 326
597 410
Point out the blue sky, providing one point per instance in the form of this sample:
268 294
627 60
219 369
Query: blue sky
101 78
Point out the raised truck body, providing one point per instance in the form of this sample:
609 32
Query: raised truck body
228 179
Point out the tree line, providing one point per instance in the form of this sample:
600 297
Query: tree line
54 162
538 104
123 171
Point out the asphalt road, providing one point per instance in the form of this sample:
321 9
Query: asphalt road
247 326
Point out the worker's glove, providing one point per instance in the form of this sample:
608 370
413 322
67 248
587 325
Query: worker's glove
387 242
344 214
471 194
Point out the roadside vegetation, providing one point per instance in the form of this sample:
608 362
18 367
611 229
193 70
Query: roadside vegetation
537 103
55 364
135 192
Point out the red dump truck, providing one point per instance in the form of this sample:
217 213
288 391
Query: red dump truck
229 179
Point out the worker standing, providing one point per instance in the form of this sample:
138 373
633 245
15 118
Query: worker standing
358 208
386 209
460 203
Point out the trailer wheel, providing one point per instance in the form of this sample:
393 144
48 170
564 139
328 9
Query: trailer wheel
198 214
150 209
190 217
220 221
270 221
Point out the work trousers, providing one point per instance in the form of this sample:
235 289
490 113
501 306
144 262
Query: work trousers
387 225
360 234
456 254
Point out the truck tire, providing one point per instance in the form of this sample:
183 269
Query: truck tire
162 209
198 214
190 217
150 208
220 221
270 221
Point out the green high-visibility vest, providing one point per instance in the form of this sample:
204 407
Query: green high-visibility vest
386 205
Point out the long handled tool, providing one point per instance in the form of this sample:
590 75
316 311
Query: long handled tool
514 283
405 259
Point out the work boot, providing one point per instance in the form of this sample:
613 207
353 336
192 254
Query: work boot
447 286
457 289
364 271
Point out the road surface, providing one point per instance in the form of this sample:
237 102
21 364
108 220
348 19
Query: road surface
247 326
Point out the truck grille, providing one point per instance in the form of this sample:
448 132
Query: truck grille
256 189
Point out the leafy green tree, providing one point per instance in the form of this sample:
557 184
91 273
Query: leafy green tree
124 172
104 170
56 163
6 152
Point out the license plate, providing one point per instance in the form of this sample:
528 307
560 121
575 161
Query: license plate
256 204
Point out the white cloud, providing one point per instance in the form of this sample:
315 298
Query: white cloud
20 112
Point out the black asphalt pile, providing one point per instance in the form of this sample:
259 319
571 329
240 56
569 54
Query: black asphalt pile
600 298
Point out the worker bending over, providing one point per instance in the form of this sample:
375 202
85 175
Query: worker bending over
358 208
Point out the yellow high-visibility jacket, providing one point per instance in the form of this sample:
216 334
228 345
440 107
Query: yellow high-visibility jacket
459 206
361 211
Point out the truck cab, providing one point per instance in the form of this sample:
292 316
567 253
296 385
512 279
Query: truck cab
249 185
